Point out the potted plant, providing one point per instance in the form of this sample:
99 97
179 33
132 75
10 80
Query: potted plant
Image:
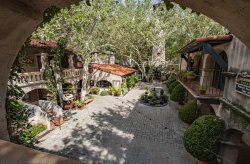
202 89
117 92
111 91
202 138
190 75
188 113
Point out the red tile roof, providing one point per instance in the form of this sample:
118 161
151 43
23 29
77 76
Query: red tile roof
196 44
114 69
44 44
213 38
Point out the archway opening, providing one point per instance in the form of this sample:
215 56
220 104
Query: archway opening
35 95
103 84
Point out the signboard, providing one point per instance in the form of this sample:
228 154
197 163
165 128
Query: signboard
243 83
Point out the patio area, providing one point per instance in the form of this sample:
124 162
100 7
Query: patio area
121 130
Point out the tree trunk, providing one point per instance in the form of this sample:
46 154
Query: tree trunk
84 80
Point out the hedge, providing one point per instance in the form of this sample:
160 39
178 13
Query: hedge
202 139
189 112
170 81
177 94
172 86
104 93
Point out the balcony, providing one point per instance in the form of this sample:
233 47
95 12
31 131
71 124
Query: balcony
193 87
33 78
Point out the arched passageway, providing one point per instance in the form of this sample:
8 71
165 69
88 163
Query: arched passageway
20 18
103 84
37 94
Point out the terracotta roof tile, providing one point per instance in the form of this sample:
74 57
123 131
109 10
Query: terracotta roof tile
44 44
114 69
196 44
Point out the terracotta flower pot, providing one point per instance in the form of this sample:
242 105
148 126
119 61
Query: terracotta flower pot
204 162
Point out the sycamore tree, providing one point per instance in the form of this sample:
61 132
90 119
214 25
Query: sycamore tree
128 28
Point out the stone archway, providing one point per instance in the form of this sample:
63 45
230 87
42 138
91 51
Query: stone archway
20 18
103 84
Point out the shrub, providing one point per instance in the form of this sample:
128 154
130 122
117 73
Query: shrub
118 92
111 90
153 101
31 132
177 94
90 97
167 76
94 90
142 97
172 86
124 85
104 93
189 112
202 139
78 103
130 82
170 81
164 98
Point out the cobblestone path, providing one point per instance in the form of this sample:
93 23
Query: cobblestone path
121 130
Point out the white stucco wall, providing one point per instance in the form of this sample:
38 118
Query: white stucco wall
98 75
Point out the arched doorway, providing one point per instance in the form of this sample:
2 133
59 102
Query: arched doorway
103 84
37 94
212 72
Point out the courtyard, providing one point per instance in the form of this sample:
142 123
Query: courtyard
121 130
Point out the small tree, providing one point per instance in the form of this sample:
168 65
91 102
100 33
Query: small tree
189 112
202 139
178 93
172 86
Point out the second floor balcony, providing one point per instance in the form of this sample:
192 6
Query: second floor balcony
33 78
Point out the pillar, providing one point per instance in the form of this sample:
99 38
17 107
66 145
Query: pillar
44 60
71 61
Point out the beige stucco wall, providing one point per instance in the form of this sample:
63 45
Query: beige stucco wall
98 75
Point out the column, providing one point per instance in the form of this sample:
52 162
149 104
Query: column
44 60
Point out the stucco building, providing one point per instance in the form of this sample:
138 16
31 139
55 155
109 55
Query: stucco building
221 65
104 72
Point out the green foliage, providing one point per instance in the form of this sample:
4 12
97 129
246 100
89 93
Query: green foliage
153 100
94 90
78 103
178 93
189 112
130 81
164 98
16 114
111 90
117 91
202 139
170 80
31 133
172 86
124 85
104 93
190 73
